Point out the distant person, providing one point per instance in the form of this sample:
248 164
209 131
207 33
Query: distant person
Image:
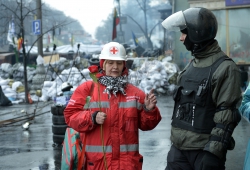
244 78
205 112
116 112
47 49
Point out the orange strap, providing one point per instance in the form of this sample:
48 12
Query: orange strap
81 161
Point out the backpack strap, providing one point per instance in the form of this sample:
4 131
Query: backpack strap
81 160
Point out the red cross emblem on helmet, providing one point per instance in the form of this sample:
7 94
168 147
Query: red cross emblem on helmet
113 50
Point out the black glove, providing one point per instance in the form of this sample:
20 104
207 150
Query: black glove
211 162
94 117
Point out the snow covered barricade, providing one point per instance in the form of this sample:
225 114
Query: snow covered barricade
47 78
153 74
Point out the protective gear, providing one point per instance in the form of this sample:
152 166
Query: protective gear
66 86
175 22
211 161
200 23
184 31
194 108
188 44
223 92
113 51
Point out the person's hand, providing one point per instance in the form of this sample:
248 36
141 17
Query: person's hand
100 117
150 100
210 162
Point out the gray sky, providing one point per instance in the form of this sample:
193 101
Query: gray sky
89 13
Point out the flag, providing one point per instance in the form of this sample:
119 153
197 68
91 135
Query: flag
19 43
116 21
9 36
135 39
11 31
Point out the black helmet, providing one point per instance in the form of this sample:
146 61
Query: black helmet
201 24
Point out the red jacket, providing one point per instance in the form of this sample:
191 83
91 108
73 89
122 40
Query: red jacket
125 115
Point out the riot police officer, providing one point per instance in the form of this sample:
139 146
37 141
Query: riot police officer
205 112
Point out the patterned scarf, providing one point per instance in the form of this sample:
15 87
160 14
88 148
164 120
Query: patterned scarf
114 84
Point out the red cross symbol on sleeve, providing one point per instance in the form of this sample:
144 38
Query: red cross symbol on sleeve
113 50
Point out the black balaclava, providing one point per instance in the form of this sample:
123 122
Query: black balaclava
193 47
188 44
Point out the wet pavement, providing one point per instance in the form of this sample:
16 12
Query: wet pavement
33 149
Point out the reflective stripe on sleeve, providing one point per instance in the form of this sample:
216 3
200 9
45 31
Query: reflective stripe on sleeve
96 105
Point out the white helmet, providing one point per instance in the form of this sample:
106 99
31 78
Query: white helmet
113 51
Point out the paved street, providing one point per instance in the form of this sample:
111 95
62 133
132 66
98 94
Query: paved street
33 149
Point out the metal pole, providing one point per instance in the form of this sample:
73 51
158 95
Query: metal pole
122 36
40 37
24 55
164 41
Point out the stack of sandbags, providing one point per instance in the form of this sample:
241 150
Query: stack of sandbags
45 93
85 73
156 76
7 89
31 72
153 75
55 68
39 78
135 77
18 72
80 63
18 87
74 76
6 70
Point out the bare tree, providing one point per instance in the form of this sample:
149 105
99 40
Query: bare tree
139 19
104 32
22 12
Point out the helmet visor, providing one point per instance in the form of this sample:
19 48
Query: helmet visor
175 22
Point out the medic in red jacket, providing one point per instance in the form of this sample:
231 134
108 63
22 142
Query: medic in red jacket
111 120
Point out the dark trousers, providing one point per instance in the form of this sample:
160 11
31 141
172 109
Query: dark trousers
185 159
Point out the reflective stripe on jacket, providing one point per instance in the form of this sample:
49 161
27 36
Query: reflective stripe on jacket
125 115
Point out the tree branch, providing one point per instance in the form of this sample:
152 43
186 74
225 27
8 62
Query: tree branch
153 29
